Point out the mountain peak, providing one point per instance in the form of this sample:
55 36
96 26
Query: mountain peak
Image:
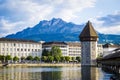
55 29
54 26
56 19
52 22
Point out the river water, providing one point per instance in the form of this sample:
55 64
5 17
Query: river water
53 73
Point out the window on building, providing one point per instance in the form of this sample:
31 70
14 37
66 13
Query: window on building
7 44
26 54
22 45
25 45
10 49
36 50
17 49
14 54
39 45
14 44
33 45
14 49
3 44
7 49
29 45
3 49
11 44
25 49
18 45
28 49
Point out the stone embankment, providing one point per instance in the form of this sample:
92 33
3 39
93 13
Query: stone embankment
45 64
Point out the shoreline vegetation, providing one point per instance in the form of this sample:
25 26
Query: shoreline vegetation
45 64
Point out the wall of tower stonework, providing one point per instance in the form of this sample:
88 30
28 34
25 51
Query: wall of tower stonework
93 46
85 55
89 52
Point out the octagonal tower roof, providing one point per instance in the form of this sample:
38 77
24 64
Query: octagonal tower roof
88 33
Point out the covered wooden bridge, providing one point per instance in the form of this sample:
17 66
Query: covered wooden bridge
111 62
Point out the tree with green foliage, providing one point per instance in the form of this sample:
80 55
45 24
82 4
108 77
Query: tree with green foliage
67 58
29 58
44 58
15 58
73 58
2 58
45 53
62 59
56 51
57 58
8 57
99 56
36 58
50 58
78 58
22 58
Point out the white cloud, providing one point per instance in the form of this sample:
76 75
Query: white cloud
45 8
19 14
107 25
30 12
111 29
7 27
111 20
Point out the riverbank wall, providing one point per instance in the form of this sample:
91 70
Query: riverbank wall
45 64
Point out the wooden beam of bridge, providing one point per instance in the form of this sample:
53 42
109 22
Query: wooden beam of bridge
111 62
111 59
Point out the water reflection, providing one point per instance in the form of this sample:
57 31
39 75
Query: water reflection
89 73
52 73
114 76
40 73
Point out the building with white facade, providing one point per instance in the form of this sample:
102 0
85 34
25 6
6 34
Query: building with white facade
20 48
99 50
24 48
62 45
74 49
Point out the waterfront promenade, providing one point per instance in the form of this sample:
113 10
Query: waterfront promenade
45 64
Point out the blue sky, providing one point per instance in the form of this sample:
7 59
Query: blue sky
16 15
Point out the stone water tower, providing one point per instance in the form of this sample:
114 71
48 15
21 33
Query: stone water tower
88 38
